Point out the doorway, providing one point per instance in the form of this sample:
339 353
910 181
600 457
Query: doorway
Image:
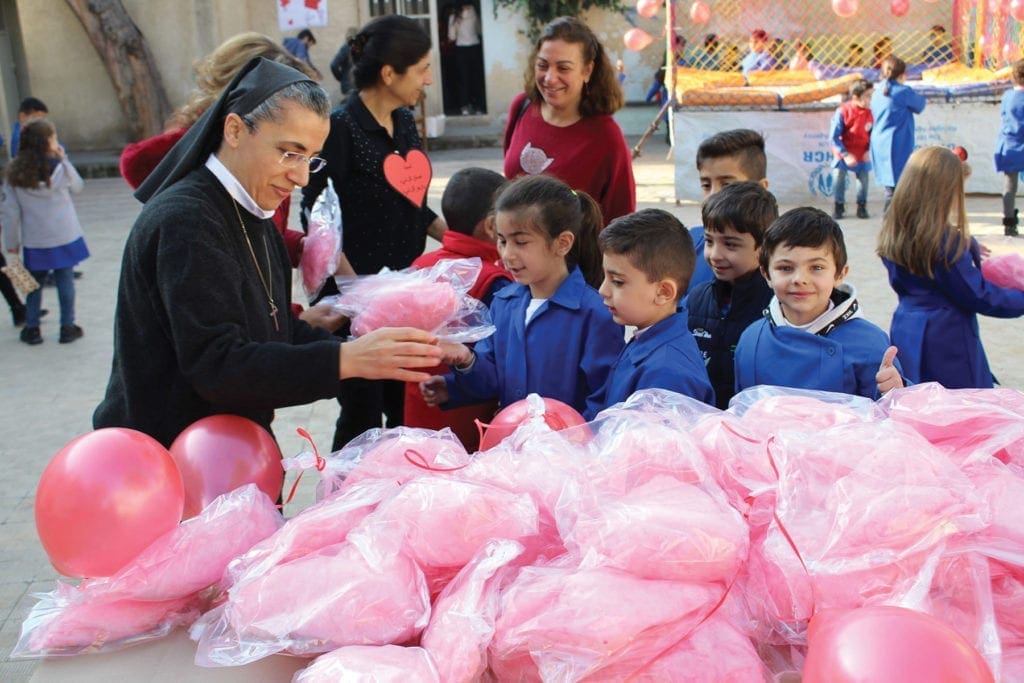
462 59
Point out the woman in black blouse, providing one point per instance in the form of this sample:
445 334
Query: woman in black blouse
382 227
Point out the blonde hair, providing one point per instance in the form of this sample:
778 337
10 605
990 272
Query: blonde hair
215 71
926 223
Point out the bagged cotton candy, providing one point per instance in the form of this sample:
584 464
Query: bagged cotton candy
462 620
1004 270
434 299
564 623
346 594
322 244
380 664
715 652
158 590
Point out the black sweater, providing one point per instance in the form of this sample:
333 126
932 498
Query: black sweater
193 335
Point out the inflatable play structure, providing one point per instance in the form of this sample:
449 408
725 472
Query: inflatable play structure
958 55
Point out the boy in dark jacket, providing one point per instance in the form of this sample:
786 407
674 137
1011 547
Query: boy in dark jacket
735 219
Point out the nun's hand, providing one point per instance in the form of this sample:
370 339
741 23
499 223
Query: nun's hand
390 353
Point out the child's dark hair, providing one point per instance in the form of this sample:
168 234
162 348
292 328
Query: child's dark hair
744 144
656 243
892 68
553 207
805 226
859 87
32 165
306 33
391 40
32 104
745 207
469 198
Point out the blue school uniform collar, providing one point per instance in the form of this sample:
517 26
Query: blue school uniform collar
568 295
652 338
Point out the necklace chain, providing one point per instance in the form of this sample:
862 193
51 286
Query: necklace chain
255 261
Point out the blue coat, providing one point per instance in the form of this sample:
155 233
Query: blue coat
701 270
1009 155
892 136
663 357
564 353
846 361
935 324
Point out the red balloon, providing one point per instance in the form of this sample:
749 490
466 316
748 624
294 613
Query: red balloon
647 8
104 498
637 39
888 644
899 7
845 8
219 453
961 152
700 12
557 415
1017 9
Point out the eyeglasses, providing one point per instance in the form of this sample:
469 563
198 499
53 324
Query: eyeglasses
294 160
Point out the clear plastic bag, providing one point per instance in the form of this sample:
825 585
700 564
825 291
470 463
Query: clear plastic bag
377 663
323 242
434 299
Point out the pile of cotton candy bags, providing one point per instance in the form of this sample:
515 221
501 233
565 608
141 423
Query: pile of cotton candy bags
434 299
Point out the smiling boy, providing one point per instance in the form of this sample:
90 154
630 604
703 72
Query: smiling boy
648 260
813 335
718 311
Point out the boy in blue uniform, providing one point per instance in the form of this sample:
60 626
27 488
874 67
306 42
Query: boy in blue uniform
731 156
813 335
718 311
648 260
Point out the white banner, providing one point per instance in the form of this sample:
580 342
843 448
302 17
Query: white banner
293 15
799 151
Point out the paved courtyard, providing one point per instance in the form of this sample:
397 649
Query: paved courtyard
48 392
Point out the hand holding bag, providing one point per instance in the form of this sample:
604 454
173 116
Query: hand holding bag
19 276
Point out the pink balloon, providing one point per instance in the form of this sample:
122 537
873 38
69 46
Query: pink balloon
700 12
637 39
647 8
1017 9
104 498
219 453
557 415
845 8
899 7
888 644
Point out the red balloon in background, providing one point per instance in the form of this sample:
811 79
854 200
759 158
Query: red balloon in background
1017 9
961 152
557 415
219 453
647 8
637 39
845 8
700 12
899 7
104 498
888 645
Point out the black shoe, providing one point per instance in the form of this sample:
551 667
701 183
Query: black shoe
838 211
69 333
31 336
862 211
77 274
1010 226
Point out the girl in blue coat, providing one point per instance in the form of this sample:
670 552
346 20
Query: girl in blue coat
1010 145
554 336
892 137
934 267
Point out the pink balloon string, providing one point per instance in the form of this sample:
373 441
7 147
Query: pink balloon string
321 463
419 460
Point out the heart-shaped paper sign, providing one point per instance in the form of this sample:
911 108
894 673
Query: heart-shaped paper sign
410 175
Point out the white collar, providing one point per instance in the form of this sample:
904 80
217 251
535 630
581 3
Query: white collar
234 188
830 315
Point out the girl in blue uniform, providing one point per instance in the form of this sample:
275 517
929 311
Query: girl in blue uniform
1010 146
893 105
554 335
934 267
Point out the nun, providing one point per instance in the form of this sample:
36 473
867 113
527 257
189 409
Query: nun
202 323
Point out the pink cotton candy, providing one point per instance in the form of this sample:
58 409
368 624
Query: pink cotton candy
441 523
562 623
319 261
380 664
462 621
1004 270
714 653
664 529
324 524
342 595
423 305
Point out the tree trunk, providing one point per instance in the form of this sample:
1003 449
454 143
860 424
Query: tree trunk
125 54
